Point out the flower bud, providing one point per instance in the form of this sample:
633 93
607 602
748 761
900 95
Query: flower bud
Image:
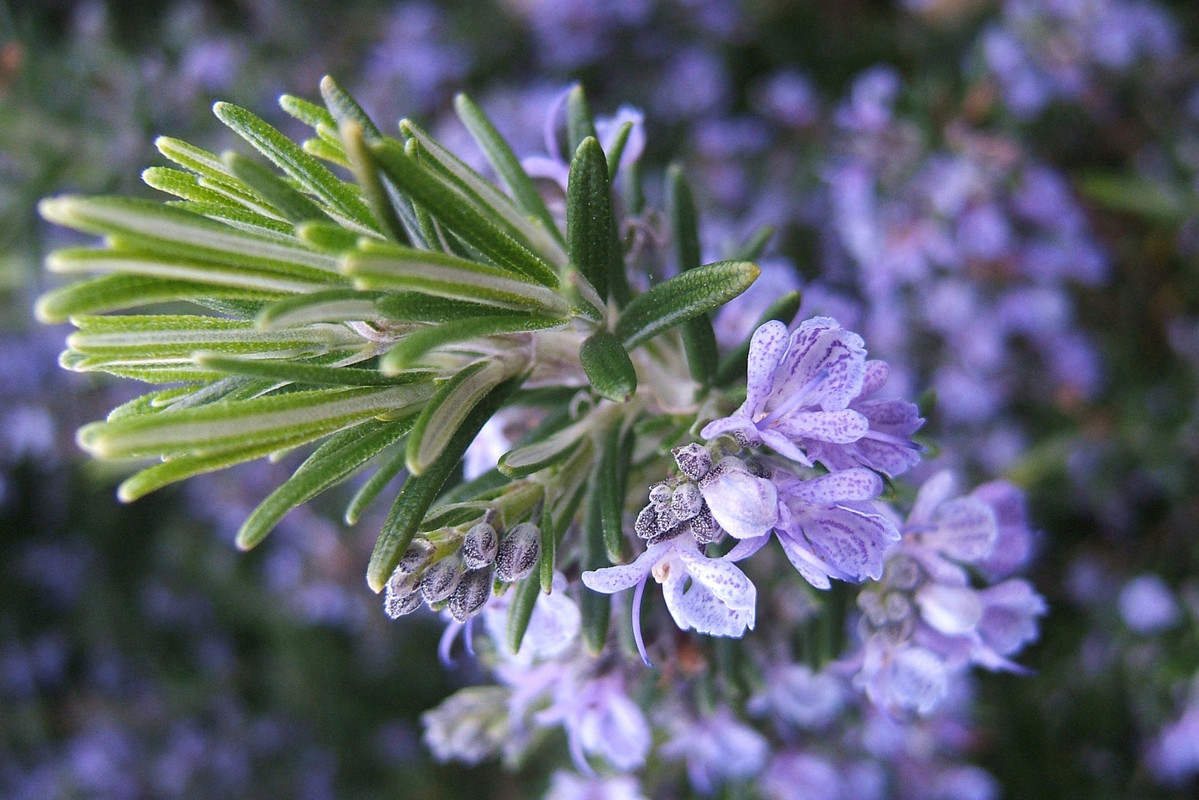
659 495
479 546
693 459
518 553
647 523
396 605
686 501
704 526
441 579
472 593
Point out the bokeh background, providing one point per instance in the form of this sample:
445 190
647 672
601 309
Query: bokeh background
1002 195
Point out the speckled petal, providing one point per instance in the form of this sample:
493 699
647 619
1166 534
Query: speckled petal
766 349
839 427
720 577
625 576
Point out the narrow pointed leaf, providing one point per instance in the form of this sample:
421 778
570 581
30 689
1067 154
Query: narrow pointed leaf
506 164
307 112
159 228
684 296
345 108
456 211
113 292
337 458
612 487
309 173
520 611
448 409
290 371
608 366
413 346
595 607
182 184
226 424
589 217
183 467
331 305
617 150
699 340
290 203
366 172
544 452
394 267
419 491
417 307
580 122
486 197
389 467
751 249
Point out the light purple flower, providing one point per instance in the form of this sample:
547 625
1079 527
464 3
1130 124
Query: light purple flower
717 749
599 719
806 398
568 786
709 595
828 527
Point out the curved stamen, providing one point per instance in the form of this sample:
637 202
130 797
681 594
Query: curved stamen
637 593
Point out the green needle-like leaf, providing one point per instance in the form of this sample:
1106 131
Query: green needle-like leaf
595 607
589 217
331 305
699 340
524 600
608 366
380 266
389 467
684 296
460 214
414 345
291 371
345 108
366 172
580 122
544 452
340 456
309 173
419 491
611 490
285 198
506 164
448 409
111 292
240 423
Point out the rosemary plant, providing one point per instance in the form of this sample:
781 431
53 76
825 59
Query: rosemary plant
379 296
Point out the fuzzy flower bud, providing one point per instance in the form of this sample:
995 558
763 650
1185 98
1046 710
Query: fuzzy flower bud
693 459
518 553
472 593
479 546
441 579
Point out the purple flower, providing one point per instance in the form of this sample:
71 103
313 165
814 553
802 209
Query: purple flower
599 718
828 527
807 398
568 786
710 595
717 749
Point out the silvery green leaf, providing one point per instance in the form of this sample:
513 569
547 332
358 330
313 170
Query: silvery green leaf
379 266
237 423
290 371
307 112
112 292
341 455
343 108
699 340
332 151
326 237
419 491
417 307
246 219
483 229
608 366
340 198
684 296
374 191
330 305
199 161
414 345
448 410
506 164
182 184
389 467
154 228
520 611
612 487
589 216
543 452
580 122
487 198
287 201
